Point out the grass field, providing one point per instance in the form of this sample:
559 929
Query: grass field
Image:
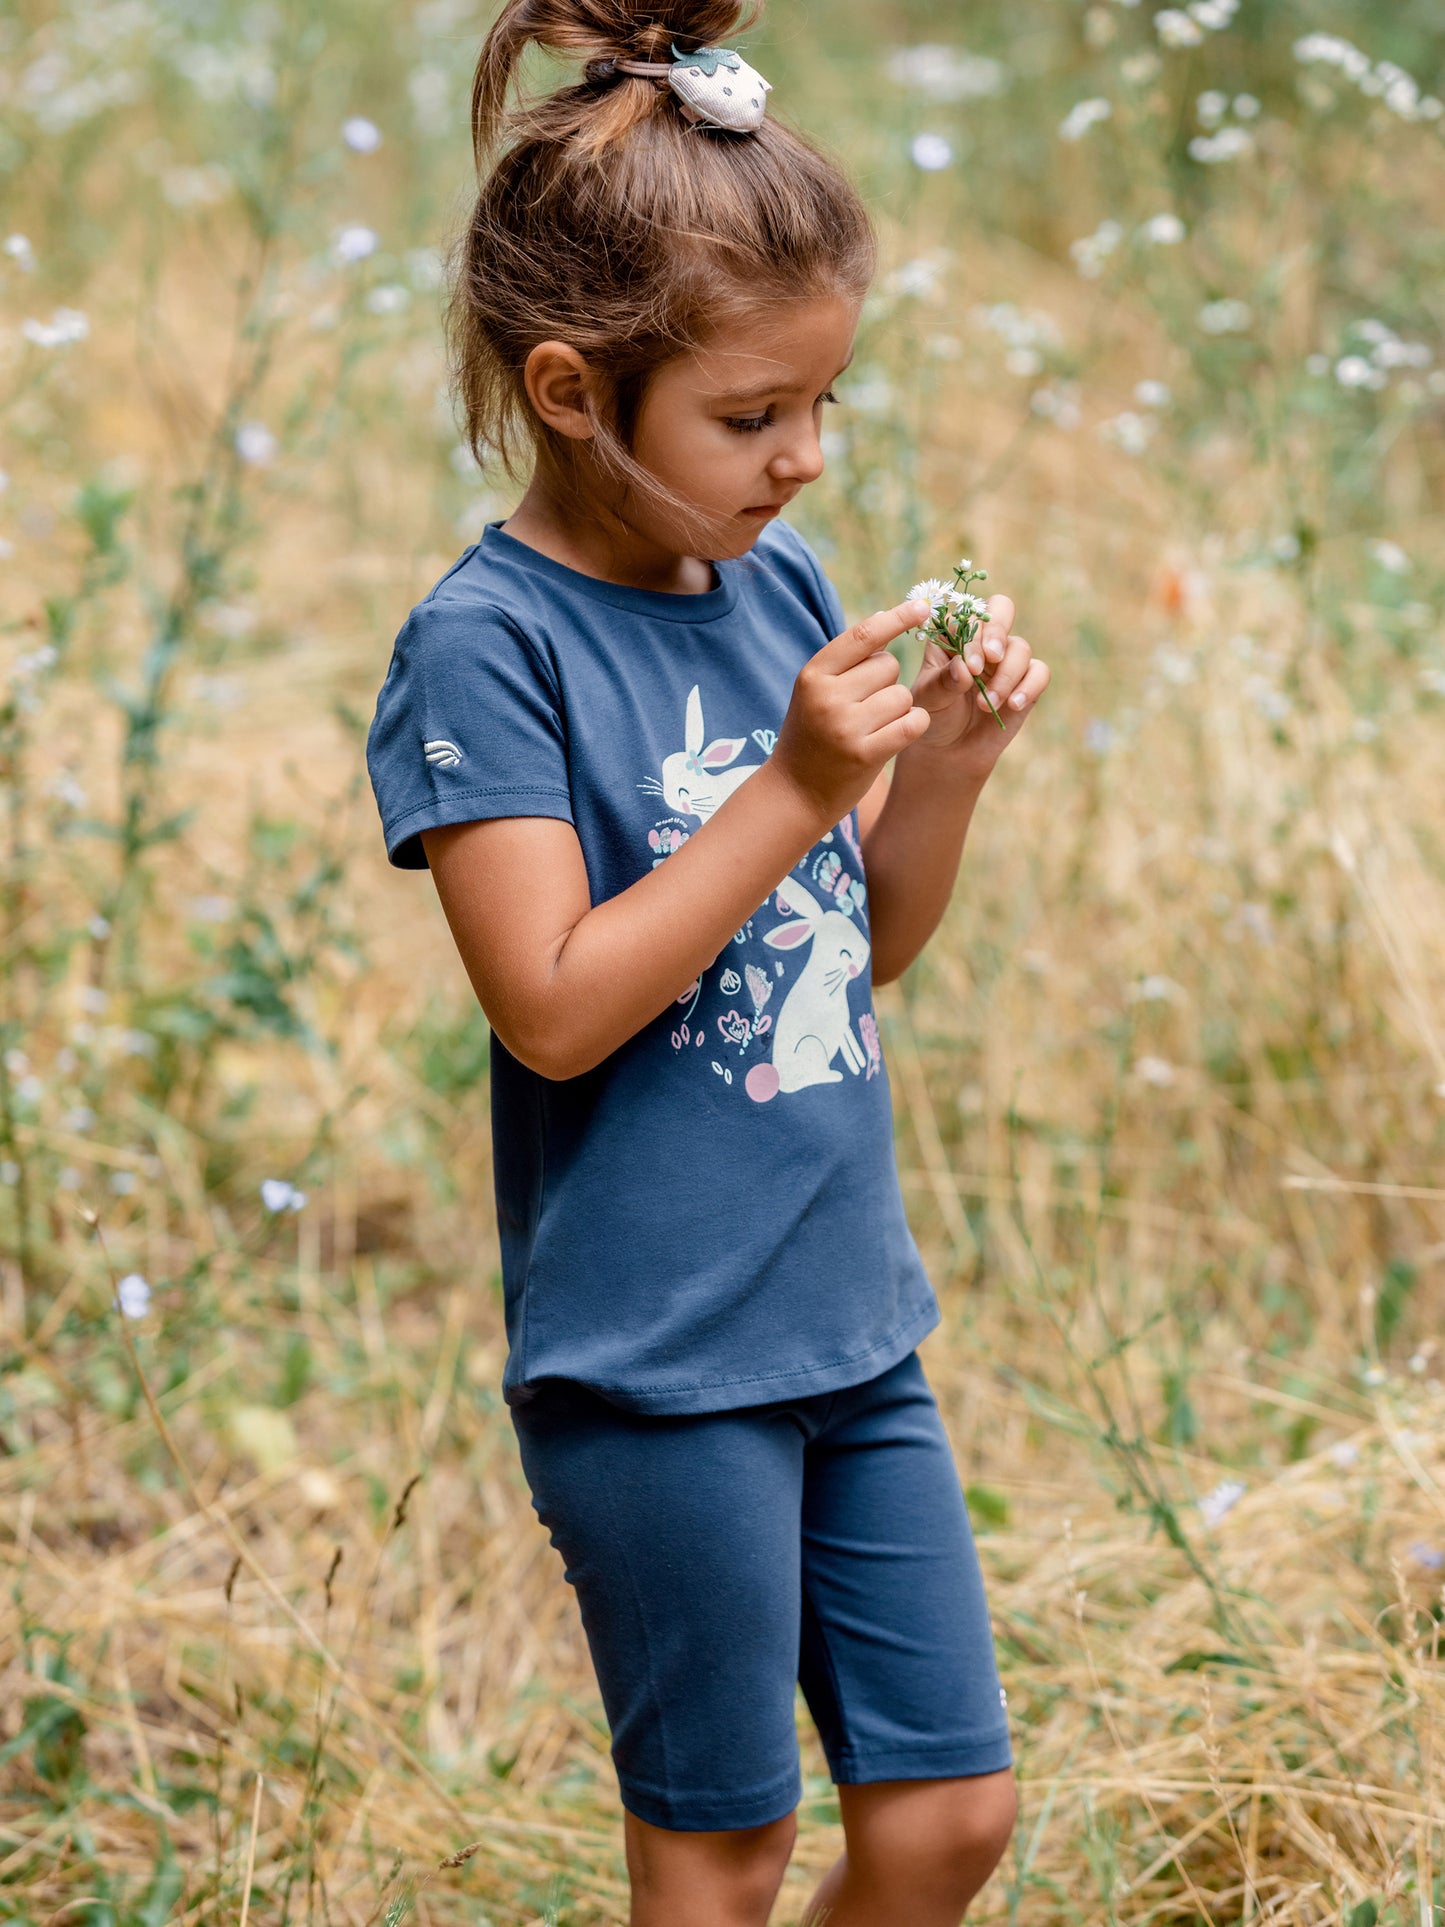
1158 339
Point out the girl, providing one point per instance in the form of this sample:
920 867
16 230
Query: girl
643 756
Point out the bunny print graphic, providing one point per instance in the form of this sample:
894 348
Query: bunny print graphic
812 1024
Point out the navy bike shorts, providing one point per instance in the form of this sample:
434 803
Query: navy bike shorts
723 1558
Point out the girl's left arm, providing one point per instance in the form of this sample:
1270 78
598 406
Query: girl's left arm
913 839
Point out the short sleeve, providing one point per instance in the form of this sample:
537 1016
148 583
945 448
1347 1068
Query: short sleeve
469 724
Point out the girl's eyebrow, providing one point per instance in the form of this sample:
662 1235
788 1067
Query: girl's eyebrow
771 388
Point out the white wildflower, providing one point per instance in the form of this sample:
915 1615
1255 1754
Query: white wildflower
195 186
1139 69
931 152
1092 250
946 73
1155 1071
1157 989
1227 145
20 252
1227 317
278 1195
390 298
1058 403
1390 556
65 326
1153 394
919 277
1161 230
133 1295
1344 1453
1128 431
1099 736
1082 116
1374 1375
1212 14
931 591
354 244
1223 1499
1024 361
1211 107
1246 107
361 135
122 1183
1353 371
1176 29
256 445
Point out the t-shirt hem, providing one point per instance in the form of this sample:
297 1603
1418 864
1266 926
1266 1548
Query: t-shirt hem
762 1388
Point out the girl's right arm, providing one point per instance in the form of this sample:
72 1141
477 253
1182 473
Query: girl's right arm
562 983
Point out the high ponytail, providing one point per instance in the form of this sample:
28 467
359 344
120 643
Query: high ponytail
607 219
596 31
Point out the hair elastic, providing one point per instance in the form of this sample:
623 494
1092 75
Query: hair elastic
715 85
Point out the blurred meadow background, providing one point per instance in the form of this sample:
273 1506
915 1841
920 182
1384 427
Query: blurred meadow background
1157 339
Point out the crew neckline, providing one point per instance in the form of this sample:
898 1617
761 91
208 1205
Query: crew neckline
660 603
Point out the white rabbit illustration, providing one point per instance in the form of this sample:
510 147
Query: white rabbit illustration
814 1022
688 780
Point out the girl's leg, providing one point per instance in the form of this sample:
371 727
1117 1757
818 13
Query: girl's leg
918 1851
897 1662
681 1535
726 1879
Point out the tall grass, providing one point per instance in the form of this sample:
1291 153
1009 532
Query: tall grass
281 1640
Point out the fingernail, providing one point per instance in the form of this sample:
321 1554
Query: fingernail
993 649
975 664
1018 699
918 610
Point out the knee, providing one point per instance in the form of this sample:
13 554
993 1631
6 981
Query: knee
942 1838
969 1833
981 1821
731 1875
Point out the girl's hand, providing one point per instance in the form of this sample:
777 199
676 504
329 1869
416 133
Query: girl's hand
849 715
961 724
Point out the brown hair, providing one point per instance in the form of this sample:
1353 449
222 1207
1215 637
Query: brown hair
610 221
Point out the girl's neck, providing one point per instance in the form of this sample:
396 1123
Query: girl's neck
552 525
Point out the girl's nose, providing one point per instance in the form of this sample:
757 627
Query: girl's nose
801 461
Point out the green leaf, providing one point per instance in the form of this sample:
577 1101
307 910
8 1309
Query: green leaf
1195 1662
987 1505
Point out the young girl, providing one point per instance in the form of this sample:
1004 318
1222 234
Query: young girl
644 757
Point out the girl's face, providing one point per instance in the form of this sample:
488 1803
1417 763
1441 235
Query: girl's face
733 426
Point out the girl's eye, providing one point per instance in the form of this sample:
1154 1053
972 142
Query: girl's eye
749 424
827 395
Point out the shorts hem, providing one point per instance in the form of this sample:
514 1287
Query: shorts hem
962 1760
711 1812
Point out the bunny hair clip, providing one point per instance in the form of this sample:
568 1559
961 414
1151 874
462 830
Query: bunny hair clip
715 85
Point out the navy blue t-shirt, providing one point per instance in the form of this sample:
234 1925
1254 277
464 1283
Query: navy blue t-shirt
710 1217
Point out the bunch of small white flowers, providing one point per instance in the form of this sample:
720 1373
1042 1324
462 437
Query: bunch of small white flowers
957 616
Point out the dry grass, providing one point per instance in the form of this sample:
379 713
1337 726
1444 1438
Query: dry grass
1169 1083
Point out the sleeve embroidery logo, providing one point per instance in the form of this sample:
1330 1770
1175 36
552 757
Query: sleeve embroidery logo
442 754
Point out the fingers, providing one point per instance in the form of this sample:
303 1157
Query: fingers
989 645
1010 672
896 722
1031 685
866 638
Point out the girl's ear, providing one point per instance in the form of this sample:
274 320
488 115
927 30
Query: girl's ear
559 386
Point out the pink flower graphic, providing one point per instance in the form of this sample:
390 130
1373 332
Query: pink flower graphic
868 1028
